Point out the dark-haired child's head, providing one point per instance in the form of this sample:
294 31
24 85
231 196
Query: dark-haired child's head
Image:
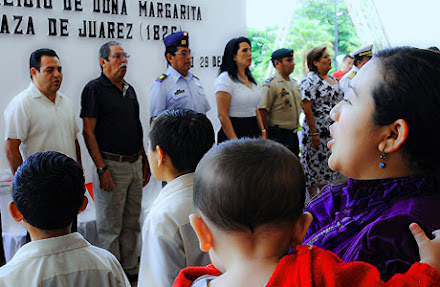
183 135
48 190
249 197
242 184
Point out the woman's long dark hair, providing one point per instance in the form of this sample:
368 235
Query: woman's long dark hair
228 63
410 90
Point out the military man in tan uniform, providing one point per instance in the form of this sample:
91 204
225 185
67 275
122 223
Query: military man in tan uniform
280 106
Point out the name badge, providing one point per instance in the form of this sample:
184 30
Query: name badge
179 92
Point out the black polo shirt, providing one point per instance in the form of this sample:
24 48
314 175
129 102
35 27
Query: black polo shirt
118 128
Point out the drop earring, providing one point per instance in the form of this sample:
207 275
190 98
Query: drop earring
383 156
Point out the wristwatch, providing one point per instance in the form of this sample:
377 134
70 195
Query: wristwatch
102 170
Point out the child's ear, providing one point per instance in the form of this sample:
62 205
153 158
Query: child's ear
16 214
203 232
160 155
84 204
300 228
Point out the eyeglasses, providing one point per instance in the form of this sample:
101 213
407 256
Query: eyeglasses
183 53
120 55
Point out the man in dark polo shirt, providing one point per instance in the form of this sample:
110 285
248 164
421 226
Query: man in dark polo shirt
113 135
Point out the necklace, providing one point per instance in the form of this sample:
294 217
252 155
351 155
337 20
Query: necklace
241 80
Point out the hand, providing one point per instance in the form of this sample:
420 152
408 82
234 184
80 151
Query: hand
315 141
264 135
106 181
429 250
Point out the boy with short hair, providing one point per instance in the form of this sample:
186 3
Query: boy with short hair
249 197
48 192
178 140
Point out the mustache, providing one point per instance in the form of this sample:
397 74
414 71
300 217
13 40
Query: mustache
123 65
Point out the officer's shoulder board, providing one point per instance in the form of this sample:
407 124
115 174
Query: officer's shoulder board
352 74
161 78
267 81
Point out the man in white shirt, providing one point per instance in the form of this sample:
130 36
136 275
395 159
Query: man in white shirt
40 118
361 57
48 192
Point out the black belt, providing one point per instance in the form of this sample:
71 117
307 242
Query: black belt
281 130
120 158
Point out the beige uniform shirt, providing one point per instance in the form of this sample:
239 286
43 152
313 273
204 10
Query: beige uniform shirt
282 99
67 260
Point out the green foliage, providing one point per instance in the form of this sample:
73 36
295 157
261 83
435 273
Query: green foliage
312 25
262 45
306 34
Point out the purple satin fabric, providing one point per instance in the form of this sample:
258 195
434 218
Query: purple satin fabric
367 220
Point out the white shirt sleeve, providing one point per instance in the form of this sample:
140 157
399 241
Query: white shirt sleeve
16 120
223 83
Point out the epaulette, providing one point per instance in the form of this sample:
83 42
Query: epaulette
161 78
268 80
196 77
351 76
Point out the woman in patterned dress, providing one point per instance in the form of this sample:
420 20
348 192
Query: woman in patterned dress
320 92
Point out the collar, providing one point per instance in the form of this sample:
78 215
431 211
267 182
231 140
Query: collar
367 193
176 185
353 69
280 77
175 76
107 82
50 246
314 77
36 93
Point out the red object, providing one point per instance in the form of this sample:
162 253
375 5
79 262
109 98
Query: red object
338 74
89 187
308 267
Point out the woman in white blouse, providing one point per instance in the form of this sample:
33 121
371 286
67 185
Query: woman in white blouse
237 93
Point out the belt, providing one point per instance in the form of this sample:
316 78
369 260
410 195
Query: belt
284 131
117 157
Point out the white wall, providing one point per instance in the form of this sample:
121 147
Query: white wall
221 20
409 22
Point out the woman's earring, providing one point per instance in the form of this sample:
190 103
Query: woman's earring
383 156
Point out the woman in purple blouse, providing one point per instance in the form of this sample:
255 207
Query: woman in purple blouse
385 140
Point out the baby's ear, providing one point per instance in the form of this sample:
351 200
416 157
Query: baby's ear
16 214
203 232
300 228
